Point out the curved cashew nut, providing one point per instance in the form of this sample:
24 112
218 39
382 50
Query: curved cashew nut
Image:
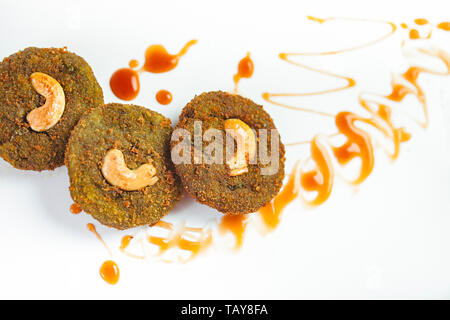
46 116
245 136
116 172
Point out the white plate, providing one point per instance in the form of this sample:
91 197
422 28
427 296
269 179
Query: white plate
390 239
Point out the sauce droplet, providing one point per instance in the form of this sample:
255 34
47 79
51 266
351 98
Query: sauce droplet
414 34
404 25
124 84
444 26
75 208
125 242
245 70
133 63
109 271
421 22
163 97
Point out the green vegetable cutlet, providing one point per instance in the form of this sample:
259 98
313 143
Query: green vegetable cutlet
20 145
214 184
143 137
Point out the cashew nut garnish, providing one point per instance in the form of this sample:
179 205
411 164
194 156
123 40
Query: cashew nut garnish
116 172
246 141
46 116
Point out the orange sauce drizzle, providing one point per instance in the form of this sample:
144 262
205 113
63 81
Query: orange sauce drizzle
163 97
236 224
109 271
404 25
358 145
181 238
271 212
320 179
444 26
75 208
124 82
158 60
349 82
245 70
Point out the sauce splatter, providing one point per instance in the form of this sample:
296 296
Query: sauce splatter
75 208
109 271
125 83
404 25
163 97
245 70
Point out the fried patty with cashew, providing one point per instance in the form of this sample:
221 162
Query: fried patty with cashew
118 159
43 93
236 185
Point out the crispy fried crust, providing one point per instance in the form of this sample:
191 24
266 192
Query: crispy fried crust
143 136
209 183
21 146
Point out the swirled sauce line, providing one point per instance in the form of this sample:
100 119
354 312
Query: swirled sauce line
358 144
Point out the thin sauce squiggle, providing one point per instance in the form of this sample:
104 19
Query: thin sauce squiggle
189 239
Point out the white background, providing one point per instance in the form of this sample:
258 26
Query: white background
388 239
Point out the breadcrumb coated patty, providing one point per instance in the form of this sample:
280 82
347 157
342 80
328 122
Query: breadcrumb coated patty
19 144
143 136
210 184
